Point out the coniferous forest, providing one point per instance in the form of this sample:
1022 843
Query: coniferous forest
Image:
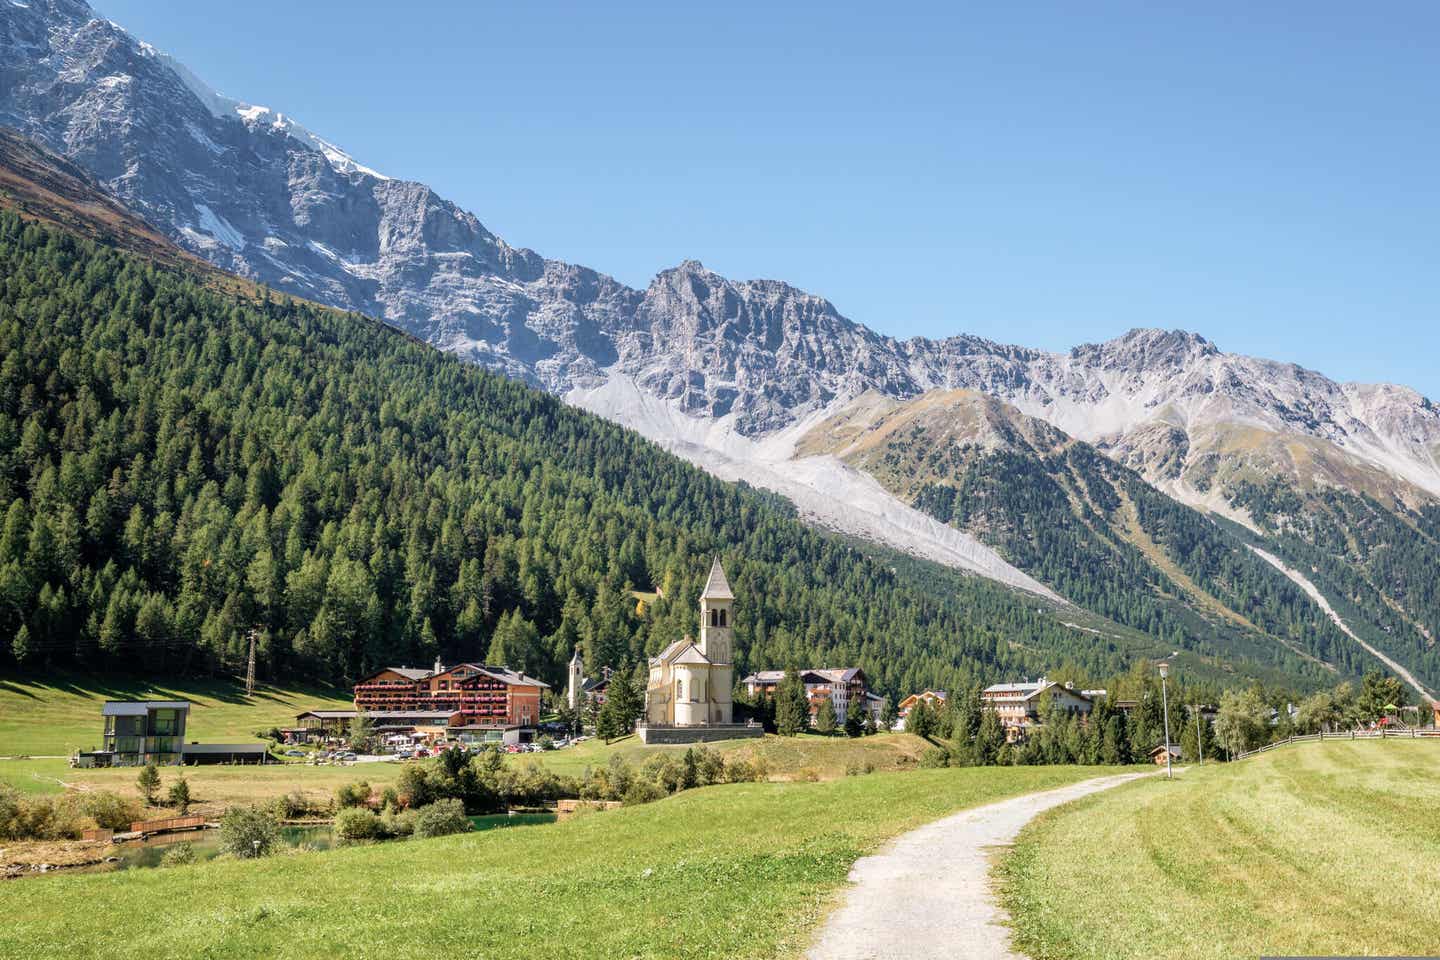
183 468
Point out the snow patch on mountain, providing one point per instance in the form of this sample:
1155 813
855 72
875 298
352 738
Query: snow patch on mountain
219 228
1313 592
825 491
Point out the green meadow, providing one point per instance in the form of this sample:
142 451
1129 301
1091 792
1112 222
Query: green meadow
55 716
1316 849
742 870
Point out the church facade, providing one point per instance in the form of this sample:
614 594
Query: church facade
688 691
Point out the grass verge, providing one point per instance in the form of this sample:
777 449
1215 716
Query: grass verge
54 716
743 870
1321 849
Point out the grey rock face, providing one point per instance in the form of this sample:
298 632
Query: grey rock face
256 193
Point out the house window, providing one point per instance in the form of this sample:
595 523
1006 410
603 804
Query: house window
166 722
679 689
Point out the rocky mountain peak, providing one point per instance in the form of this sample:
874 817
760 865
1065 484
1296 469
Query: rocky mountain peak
1147 349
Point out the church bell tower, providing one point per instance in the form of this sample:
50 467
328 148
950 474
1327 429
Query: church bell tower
717 617
576 685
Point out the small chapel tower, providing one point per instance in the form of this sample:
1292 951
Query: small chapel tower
716 617
575 691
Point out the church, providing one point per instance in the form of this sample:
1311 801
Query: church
687 695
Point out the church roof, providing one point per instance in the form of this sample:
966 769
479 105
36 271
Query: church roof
681 651
717 587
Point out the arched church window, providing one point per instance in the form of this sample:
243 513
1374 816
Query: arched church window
721 611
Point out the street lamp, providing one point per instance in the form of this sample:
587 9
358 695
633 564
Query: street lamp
1165 706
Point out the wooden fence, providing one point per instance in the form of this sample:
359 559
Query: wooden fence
1381 734
167 823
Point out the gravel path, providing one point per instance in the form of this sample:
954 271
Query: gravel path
928 894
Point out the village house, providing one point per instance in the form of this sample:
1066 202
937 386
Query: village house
933 700
838 685
1018 705
1157 755
687 693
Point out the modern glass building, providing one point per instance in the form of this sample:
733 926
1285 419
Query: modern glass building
139 731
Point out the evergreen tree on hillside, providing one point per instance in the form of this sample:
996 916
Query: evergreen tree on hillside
855 715
623 704
792 706
989 739
825 716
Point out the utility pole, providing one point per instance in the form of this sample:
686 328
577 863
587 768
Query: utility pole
250 666
1199 739
1165 706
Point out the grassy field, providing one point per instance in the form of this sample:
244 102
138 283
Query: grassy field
56 716
805 757
1327 848
743 870
215 787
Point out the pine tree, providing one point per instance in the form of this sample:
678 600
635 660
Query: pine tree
20 646
825 717
792 707
622 706
990 739
180 796
855 715
148 781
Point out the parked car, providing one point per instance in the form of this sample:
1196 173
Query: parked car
294 753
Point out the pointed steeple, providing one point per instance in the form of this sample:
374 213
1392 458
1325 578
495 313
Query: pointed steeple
576 658
717 587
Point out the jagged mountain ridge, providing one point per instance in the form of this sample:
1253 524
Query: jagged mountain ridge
729 373
256 193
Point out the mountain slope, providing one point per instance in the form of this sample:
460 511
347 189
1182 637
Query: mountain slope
1090 527
180 465
730 374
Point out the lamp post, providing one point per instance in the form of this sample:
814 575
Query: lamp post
1165 706
1199 739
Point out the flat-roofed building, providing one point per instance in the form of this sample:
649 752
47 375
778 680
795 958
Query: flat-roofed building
138 732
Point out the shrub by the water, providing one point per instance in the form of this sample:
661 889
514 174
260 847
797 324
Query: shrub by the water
357 823
178 855
248 832
110 810
441 818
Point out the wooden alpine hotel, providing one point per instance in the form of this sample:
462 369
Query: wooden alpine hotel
483 700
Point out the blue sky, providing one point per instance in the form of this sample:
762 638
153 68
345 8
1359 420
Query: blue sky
1039 173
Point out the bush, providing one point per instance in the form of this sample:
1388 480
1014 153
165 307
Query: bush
398 823
934 757
355 794
178 855
643 791
248 832
296 804
441 818
38 818
356 824
110 811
